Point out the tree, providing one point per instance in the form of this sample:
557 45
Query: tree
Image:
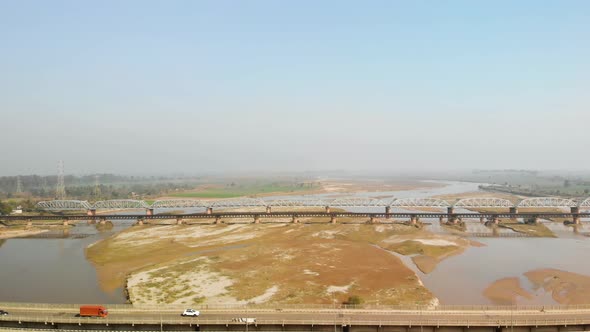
5 208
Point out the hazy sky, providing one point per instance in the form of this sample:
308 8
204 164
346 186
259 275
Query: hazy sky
197 86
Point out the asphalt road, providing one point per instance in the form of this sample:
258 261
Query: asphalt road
307 316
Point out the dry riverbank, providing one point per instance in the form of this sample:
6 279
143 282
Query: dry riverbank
273 263
563 286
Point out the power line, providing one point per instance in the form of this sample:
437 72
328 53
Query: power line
60 190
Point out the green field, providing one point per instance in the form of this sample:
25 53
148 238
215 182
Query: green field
237 191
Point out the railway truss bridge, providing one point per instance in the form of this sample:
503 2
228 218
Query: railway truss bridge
412 209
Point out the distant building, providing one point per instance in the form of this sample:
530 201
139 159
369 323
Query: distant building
18 210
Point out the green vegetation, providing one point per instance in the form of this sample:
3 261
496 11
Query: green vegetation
235 190
354 300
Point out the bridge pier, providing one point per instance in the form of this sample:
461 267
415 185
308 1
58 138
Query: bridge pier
414 220
387 212
257 219
217 220
482 220
268 209
29 223
91 212
139 222
372 220
179 221
513 210
451 215
327 209
149 212
332 219
441 219
103 221
295 220
65 222
209 210
532 220
575 210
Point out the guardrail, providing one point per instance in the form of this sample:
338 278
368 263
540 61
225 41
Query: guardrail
232 306
308 322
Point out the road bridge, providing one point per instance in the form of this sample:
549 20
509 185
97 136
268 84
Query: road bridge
311 318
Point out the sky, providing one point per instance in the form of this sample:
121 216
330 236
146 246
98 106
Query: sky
156 87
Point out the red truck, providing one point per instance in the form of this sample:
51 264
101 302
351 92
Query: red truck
93 311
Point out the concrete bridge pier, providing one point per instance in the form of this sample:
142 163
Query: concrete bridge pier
294 219
139 222
387 212
513 210
451 215
91 212
414 220
268 209
65 222
179 221
149 212
103 221
332 219
532 220
575 210
217 220
209 210
372 220
441 219
29 223
482 220
327 209
257 219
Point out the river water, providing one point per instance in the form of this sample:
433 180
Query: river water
55 270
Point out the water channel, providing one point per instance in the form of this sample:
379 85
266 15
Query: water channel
54 269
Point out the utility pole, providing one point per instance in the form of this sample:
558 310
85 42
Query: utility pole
19 185
60 190
96 192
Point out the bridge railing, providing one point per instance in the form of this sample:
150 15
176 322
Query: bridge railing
265 307
452 321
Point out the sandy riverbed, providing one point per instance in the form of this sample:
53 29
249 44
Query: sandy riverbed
275 263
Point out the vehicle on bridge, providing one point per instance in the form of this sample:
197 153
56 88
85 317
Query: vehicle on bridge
93 311
191 312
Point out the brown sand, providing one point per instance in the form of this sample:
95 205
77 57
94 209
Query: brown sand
566 287
505 291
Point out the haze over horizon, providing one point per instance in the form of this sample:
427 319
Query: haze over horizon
145 87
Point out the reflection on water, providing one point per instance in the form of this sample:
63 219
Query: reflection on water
54 269
462 279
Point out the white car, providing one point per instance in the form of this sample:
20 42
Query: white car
191 312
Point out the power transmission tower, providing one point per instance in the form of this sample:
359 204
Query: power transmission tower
60 190
97 192
19 185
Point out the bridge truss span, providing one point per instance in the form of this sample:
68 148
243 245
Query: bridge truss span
483 202
585 203
297 203
547 202
357 202
64 205
420 202
179 203
242 202
116 204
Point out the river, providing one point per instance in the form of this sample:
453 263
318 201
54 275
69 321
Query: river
55 270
